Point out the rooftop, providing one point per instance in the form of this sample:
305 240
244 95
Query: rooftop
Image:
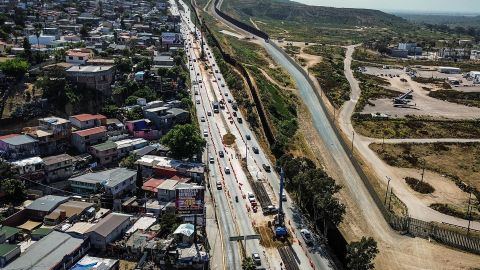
157 161
90 131
56 159
105 146
89 69
94 263
9 231
142 223
47 253
7 248
186 229
27 161
168 184
108 178
18 140
47 203
54 120
152 184
87 117
109 223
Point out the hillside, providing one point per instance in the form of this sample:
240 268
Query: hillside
293 11
295 21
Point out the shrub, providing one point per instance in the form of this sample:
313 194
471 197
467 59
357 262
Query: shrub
419 186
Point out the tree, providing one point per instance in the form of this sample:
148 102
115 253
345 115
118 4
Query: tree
135 114
248 264
110 110
360 254
84 31
27 48
123 65
15 68
129 162
169 222
184 141
13 189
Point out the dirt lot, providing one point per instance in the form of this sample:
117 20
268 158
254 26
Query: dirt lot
422 104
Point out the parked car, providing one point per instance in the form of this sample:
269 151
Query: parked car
307 236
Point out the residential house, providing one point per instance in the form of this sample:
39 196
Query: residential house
184 233
475 55
95 77
16 146
53 135
8 253
9 234
58 167
83 139
43 206
125 147
84 121
115 182
78 56
57 250
104 153
71 210
4 46
29 167
165 118
96 263
109 229
141 128
163 61
164 167
166 190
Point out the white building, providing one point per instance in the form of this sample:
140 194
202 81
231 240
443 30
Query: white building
475 55
449 70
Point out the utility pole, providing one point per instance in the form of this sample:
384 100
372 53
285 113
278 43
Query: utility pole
423 169
386 191
353 138
469 212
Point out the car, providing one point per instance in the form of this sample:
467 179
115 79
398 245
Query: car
205 133
226 94
250 195
227 170
221 154
266 167
239 119
284 197
219 185
307 236
256 258
223 85
229 100
209 113
198 101
211 160
202 118
248 137
255 150
196 92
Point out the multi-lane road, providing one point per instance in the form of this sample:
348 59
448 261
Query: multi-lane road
237 218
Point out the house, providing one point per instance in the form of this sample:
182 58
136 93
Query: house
95 77
166 190
16 146
164 61
71 210
43 206
104 153
125 147
58 167
82 139
52 134
115 182
78 56
109 229
8 253
57 250
40 233
96 263
4 47
184 233
164 167
33 167
475 55
453 53
84 121
9 234
141 129
164 117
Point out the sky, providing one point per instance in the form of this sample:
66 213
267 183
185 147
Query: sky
418 6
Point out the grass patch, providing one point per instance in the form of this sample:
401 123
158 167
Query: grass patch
414 127
280 75
465 98
450 210
419 186
228 139
458 161
330 73
372 88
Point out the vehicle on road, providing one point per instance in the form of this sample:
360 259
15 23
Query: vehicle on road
209 113
226 94
234 106
223 85
266 167
211 160
239 120
219 185
236 198
227 170
221 154
284 197
198 101
307 236
229 100
248 137
205 133
256 258
255 150
202 118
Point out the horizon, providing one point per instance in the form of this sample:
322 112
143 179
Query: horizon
459 7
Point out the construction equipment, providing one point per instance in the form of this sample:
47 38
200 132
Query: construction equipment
403 99
280 230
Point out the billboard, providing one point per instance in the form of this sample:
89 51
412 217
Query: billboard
190 200
169 38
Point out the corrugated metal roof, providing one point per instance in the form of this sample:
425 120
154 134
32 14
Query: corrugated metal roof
47 203
19 140
109 223
90 131
109 178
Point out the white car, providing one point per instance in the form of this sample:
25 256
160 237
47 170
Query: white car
205 133
202 118
307 236
227 170
256 258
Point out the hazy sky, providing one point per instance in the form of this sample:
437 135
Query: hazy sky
430 6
